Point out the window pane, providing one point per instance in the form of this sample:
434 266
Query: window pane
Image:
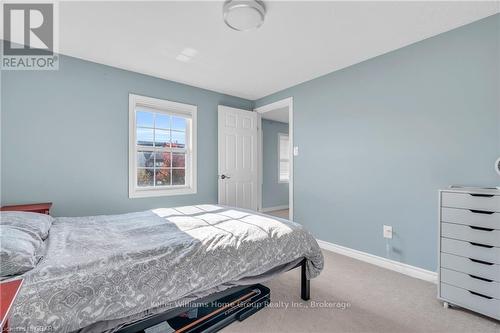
144 119
162 138
145 159
178 139
284 147
163 159
284 171
162 177
144 177
178 160
178 177
144 137
178 123
162 121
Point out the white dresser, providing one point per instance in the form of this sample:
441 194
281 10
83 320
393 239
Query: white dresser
469 249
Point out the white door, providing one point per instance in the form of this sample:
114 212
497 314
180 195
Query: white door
237 158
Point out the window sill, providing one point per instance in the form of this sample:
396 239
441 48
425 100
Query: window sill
160 193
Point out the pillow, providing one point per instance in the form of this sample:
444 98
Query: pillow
34 222
18 250
21 240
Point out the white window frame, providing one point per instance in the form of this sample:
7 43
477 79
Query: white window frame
280 135
170 108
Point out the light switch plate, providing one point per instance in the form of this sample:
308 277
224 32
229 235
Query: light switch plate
296 151
387 231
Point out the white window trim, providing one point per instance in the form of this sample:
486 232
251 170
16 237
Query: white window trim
280 159
169 107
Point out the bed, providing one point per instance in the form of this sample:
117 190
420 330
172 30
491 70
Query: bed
100 273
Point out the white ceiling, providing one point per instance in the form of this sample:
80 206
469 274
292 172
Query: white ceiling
280 115
298 41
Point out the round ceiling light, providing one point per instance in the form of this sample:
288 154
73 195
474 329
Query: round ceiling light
244 15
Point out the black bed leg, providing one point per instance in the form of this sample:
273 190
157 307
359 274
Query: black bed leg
305 284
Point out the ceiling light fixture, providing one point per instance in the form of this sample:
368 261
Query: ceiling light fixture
244 15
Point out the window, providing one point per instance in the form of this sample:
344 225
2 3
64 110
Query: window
284 158
162 147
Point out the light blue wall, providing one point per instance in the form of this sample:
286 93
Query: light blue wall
65 137
378 139
273 193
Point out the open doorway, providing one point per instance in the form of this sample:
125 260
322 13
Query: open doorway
276 159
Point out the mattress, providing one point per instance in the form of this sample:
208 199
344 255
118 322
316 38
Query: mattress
101 271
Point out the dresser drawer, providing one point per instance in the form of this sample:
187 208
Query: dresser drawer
464 298
471 282
471 217
468 266
481 235
484 202
468 250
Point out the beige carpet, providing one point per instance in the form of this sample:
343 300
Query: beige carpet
380 301
283 213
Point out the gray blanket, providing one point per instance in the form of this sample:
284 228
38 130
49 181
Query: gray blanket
103 268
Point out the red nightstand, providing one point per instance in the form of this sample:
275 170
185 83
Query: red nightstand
42 208
8 293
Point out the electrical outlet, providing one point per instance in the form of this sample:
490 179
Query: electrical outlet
387 231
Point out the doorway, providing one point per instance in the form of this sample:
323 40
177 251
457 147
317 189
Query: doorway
275 158
237 155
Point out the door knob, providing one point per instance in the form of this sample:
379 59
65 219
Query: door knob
224 177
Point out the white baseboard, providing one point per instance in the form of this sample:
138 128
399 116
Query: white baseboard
393 265
270 209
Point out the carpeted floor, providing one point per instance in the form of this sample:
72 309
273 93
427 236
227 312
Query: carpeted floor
379 300
283 213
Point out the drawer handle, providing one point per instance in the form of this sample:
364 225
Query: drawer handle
482 245
480 278
481 262
480 228
482 195
480 295
476 211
